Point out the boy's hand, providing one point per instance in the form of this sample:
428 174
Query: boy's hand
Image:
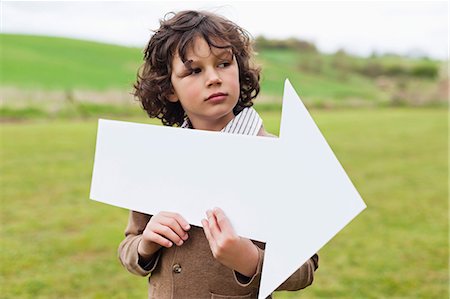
227 247
163 230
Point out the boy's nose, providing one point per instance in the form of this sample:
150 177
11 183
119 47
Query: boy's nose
213 78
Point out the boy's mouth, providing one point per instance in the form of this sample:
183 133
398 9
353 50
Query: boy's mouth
216 96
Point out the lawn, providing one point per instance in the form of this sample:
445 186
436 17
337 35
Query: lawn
56 243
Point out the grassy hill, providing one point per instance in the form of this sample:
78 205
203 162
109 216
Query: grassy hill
320 84
50 64
62 63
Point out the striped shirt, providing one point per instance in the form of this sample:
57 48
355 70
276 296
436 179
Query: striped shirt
247 122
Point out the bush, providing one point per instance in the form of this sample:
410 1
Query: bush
396 70
372 69
312 64
292 43
425 71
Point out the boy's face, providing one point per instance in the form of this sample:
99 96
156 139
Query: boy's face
207 85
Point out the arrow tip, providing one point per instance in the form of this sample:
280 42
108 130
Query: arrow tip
292 110
286 81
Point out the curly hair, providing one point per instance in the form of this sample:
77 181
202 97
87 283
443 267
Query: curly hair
153 86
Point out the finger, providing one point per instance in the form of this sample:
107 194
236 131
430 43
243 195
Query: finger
213 227
223 222
209 237
175 226
168 233
160 240
183 223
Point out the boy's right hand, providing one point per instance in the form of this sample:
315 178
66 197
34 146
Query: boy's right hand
163 230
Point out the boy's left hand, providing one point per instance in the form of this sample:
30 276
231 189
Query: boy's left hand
239 254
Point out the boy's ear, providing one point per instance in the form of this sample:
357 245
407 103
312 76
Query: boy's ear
172 98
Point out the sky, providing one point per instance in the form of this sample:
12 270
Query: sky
413 28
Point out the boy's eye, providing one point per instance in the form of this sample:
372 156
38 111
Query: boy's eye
224 64
194 71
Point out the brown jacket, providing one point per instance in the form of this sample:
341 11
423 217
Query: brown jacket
190 271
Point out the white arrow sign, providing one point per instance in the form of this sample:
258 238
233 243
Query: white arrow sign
290 192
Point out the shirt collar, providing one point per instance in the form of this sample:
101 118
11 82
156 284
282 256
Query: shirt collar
247 122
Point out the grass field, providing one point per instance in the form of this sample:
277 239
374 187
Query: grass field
56 243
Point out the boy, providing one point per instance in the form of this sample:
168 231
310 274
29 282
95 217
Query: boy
197 75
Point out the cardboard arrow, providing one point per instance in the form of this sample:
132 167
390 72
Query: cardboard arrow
290 192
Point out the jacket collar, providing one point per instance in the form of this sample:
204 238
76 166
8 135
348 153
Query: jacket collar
247 122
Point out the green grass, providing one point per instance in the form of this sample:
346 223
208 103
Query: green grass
56 243
325 84
62 64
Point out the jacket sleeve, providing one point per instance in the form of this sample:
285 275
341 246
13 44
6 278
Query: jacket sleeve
128 248
253 281
301 278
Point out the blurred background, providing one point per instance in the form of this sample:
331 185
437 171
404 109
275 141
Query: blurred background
374 76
